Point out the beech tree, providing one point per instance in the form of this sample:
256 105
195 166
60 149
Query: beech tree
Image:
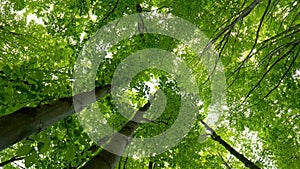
257 42
31 120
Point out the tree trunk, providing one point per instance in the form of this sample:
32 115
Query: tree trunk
30 120
108 160
239 156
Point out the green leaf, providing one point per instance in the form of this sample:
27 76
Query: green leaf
24 150
6 70
31 159
70 153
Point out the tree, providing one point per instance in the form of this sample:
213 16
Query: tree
257 43
31 120
107 159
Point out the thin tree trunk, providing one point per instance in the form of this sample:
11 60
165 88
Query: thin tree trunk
108 160
239 156
27 121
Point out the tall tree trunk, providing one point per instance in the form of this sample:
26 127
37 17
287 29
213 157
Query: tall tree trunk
239 156
30 120
108 160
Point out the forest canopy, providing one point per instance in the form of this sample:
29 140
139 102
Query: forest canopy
150 84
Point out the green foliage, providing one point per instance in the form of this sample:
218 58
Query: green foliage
259 51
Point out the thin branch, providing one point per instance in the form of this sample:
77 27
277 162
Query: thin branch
225 38
277 38
10 32
160 121
21 167
150 165
281 79
119 166
265 74
13 159
239 156
255 41
207 127
227 30
270 55
111 12
224 162
290 29
124 166
243 14
295 18
237 34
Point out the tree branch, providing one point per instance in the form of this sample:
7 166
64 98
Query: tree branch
265 74
13 159
224 162
239 156
243 14
256 38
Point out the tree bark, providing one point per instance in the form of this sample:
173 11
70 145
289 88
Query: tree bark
239 156
108 160
27 121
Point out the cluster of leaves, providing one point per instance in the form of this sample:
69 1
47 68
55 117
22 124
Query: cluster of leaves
258 45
